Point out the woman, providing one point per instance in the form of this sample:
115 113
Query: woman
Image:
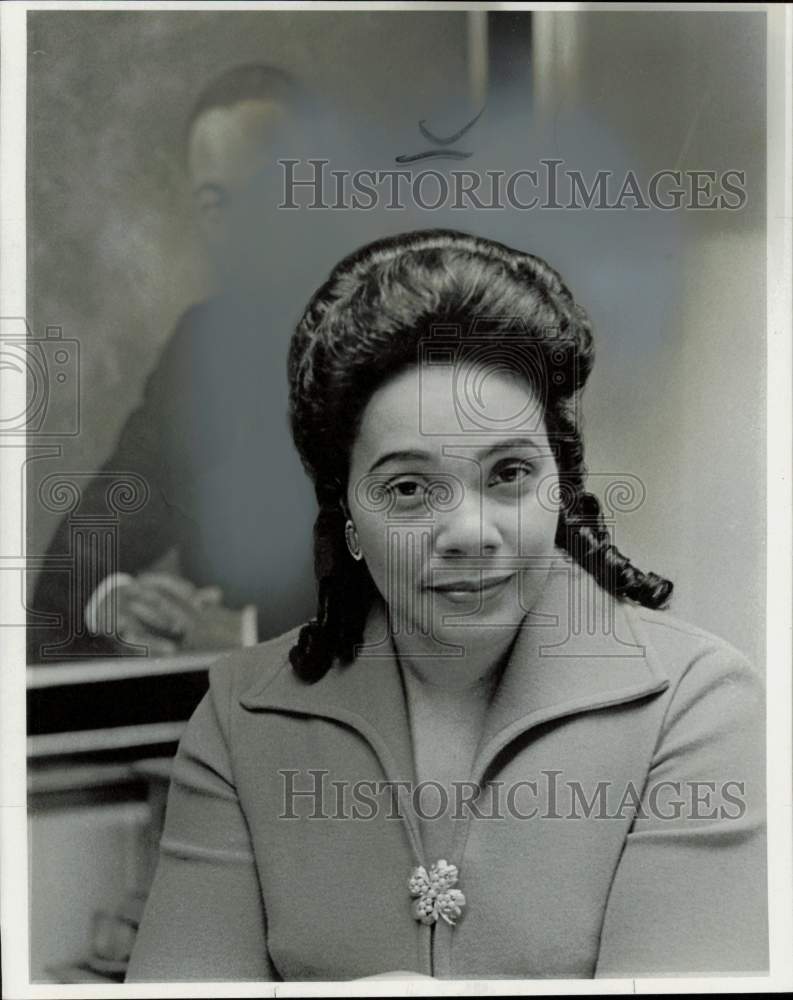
491 754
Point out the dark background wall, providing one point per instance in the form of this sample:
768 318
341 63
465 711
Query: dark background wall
678 300
113 253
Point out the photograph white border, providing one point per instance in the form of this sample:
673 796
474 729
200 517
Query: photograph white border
779 591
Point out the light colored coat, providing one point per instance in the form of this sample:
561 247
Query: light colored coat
615 705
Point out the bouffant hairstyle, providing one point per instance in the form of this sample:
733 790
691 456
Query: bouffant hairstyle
368 322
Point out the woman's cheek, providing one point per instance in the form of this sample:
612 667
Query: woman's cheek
373 551
394 556
539 519
377 544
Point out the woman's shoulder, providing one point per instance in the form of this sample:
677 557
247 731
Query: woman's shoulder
237 671
690 655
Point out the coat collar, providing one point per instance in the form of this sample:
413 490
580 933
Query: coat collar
576 651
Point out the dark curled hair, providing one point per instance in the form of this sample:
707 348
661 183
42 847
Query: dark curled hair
363 326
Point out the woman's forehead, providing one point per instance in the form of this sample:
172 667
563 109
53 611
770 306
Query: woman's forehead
460 402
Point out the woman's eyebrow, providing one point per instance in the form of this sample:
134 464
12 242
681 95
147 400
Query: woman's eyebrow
415 454
395 456
506 445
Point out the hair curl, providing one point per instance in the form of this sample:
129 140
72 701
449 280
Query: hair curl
366 324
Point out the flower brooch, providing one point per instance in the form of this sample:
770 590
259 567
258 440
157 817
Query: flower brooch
434 893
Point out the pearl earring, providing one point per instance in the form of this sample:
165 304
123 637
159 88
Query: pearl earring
351 535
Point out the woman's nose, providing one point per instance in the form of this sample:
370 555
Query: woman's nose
468 529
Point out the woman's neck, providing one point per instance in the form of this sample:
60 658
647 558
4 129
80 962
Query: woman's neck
476 670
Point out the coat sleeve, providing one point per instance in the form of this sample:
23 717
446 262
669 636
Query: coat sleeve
204 918
689 895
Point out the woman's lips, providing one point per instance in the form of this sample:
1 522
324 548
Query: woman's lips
465 590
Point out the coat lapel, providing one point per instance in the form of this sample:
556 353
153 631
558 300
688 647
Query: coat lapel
576 651
366 695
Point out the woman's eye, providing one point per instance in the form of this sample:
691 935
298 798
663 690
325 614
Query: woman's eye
407 489
511 473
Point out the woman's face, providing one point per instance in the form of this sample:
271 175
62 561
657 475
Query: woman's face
454 496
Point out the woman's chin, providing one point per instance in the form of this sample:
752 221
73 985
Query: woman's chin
473 629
